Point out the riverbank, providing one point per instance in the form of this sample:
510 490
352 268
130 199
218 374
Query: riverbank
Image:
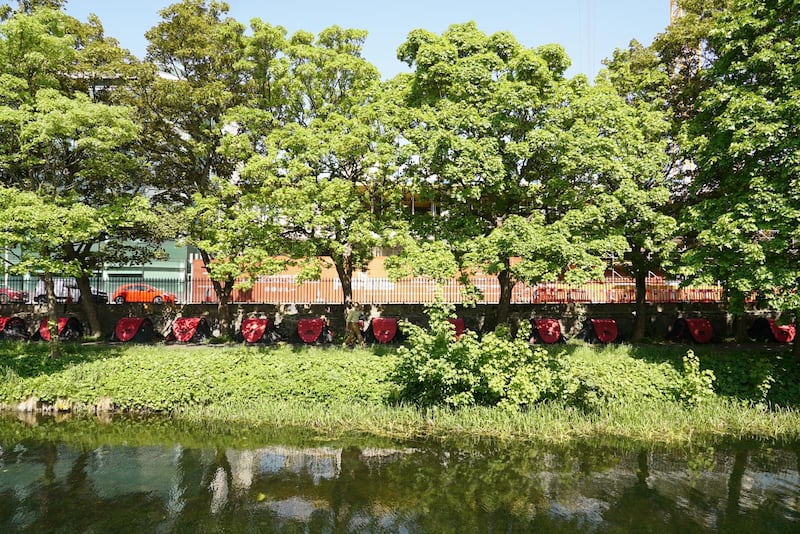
628 392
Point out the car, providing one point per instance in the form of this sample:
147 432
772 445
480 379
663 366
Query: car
141 293
66 289
8 294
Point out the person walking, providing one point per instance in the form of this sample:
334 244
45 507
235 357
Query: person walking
352 326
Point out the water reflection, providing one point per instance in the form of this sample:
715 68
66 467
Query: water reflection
52 486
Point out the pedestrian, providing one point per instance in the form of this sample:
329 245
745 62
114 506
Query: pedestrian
353 326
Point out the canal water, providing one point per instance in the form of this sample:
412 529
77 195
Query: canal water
158 475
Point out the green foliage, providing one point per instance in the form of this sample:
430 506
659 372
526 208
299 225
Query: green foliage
616 390
435 367
609 375
745 216
155 379
317 152
695 385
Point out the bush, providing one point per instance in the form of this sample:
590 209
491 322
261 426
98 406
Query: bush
435 367
149 378
695 385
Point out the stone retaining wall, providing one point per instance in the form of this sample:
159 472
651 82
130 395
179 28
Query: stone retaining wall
572 316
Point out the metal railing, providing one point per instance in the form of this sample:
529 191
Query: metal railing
285 290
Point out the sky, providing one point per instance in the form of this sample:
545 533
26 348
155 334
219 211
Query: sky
589 30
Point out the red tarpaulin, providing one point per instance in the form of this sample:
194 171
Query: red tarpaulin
190 329
459 324
782 333
700 329
253 329
384 329
127 329
549 330
309 330
605 329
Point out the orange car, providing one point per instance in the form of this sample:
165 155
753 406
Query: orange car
141 293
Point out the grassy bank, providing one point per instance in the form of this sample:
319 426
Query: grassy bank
629 392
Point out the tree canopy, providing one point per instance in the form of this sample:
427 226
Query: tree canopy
251 145
745 216
63 141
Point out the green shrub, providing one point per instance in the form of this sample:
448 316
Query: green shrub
435 367
152 378
695 385
611 373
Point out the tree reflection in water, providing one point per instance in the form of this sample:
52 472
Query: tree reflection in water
80 485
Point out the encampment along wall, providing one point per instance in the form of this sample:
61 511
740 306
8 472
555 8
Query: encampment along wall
660 317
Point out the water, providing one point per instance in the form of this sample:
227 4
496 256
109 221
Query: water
156 475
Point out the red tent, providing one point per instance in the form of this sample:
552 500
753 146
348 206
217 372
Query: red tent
604 330
312 330
546 331
695 329
69 329
190 329
782 333
138 329
13 328
258 330
700 330
458 322
384 329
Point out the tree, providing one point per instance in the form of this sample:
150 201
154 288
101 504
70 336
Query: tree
27 7
192 79
630 173
225 223
38 229
489 128
324 163
746 212
62 142
661 82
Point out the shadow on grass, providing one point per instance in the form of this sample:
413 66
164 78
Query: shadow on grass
29 359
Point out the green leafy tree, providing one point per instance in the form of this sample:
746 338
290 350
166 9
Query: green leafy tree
225 222
63 142
746 213
324 163
622 145
494 143
38 229
27 7
192 78
661 82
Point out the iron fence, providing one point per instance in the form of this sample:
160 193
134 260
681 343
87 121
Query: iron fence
369 290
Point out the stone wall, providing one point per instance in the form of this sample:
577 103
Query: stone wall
572 316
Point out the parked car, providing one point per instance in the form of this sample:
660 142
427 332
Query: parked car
141 293
66 289
8 294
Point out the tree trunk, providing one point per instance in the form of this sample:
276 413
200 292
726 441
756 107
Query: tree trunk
223 291
640 321
345 272
52 317
739 330
507 284
89 306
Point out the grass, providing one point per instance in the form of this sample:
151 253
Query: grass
331 391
